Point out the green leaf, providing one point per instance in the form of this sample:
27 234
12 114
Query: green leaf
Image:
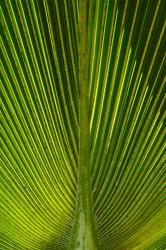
83 125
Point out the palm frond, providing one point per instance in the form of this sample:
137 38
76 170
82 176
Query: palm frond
41 130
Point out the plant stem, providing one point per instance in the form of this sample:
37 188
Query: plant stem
84 234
